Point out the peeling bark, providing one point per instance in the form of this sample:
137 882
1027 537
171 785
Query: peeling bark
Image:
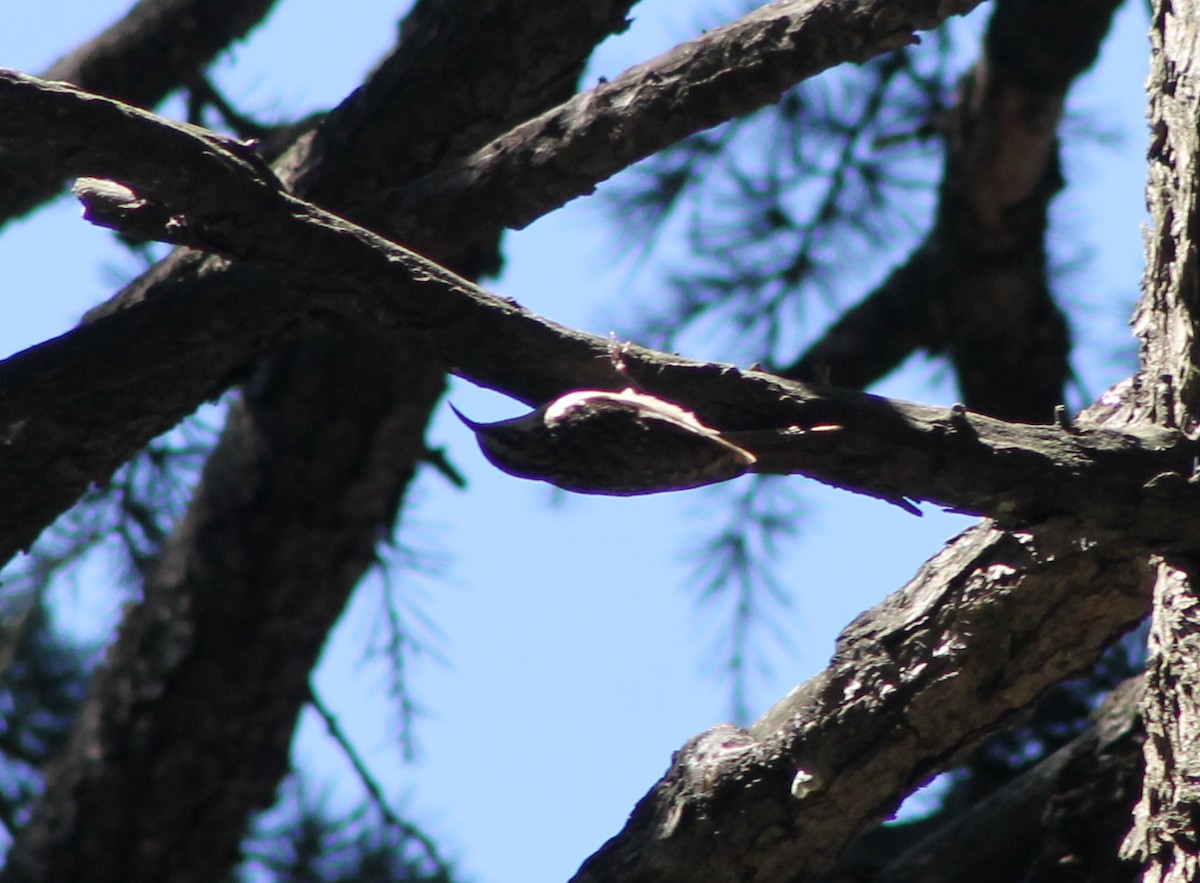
1164 832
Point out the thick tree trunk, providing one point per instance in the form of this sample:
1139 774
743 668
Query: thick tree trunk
1168 322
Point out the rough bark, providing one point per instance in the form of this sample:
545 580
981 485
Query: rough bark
977 287
1164 833
1168 314
1061 820
158 46
982 630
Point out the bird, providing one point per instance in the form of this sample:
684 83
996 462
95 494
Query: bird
594 441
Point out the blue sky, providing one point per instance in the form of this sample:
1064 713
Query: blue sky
576 660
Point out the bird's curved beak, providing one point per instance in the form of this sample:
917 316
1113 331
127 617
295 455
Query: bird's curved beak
470 424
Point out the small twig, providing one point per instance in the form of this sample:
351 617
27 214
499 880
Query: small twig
371 784
437 458
398 644
201 91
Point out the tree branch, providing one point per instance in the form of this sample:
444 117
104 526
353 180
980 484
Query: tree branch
236 313
909 654
306 481
981 631
1063 819
153 50
370 784
887 449
976 288
730 71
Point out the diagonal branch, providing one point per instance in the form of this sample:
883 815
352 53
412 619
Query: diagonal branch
406 830
1070 809
730 71
234 315
981 631
889 449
